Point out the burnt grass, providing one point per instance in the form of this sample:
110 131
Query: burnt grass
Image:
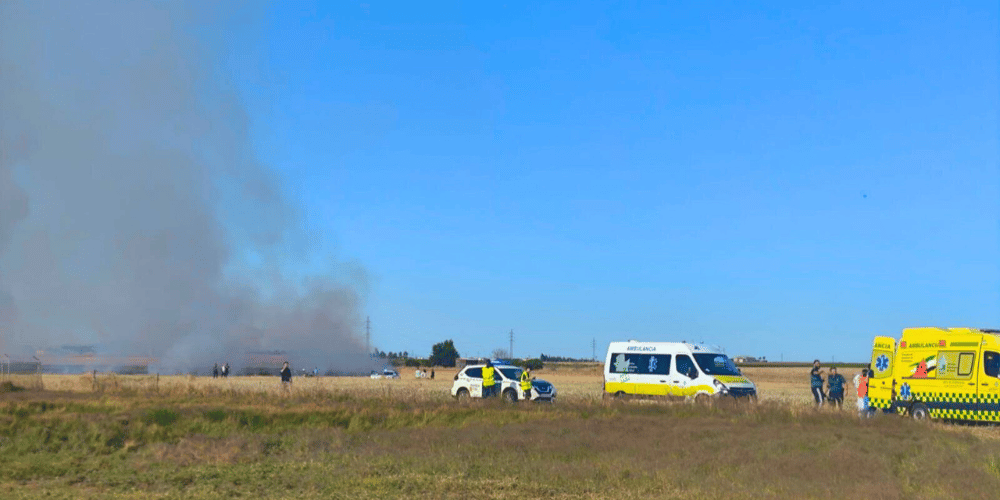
138 446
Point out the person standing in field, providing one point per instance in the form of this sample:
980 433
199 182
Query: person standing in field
526 383
432 374
816 383
488 381
286 377
225 370
835 385
215 371
861 383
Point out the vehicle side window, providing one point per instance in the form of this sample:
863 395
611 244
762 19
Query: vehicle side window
659 364
991 363
474 373
621 363
965 362
685 366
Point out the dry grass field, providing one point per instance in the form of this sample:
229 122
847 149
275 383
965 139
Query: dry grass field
575 382
354 437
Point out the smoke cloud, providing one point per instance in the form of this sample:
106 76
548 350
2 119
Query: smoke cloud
133 213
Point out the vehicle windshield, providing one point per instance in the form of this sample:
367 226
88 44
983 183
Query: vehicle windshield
716 364
511 373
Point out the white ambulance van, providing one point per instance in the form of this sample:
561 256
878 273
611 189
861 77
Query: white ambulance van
677 369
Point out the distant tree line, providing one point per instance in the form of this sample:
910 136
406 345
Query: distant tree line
445 354
391 355
557 359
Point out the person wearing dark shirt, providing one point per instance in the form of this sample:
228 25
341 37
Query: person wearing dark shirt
816 383
286 377
835 386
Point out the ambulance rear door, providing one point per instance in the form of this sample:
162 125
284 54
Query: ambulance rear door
880 380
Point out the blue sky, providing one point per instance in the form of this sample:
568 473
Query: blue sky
782 180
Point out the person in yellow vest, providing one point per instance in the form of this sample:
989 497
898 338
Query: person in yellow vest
489 384
526 379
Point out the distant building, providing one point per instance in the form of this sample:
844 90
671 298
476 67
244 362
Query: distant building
463 362
749 359
265 362
85 358
19 366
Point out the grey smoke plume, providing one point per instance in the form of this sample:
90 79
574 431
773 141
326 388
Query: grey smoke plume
130 198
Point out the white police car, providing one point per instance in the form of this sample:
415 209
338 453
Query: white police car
469 384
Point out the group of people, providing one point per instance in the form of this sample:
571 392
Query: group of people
835 385
220 370
423 373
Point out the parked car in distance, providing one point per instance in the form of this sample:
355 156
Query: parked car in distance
386 373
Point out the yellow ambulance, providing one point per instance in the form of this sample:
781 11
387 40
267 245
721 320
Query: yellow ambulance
938 373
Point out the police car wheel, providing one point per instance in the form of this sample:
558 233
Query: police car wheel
509 396
919 412
463 395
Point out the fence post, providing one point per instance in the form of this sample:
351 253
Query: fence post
38 374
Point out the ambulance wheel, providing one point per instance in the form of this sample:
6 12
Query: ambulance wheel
919 412
509 396
702 399
463 395
620 395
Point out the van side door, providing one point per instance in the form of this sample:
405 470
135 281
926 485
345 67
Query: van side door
681 378
989 386
653 371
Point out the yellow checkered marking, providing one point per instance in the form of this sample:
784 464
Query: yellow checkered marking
878 403
972 400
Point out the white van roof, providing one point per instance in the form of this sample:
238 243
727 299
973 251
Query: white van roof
638 346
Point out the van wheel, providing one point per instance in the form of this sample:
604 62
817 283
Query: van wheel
919 412
620 395
463 395
702 399
509 396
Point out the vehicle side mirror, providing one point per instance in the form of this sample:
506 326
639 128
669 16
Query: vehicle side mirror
456 376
